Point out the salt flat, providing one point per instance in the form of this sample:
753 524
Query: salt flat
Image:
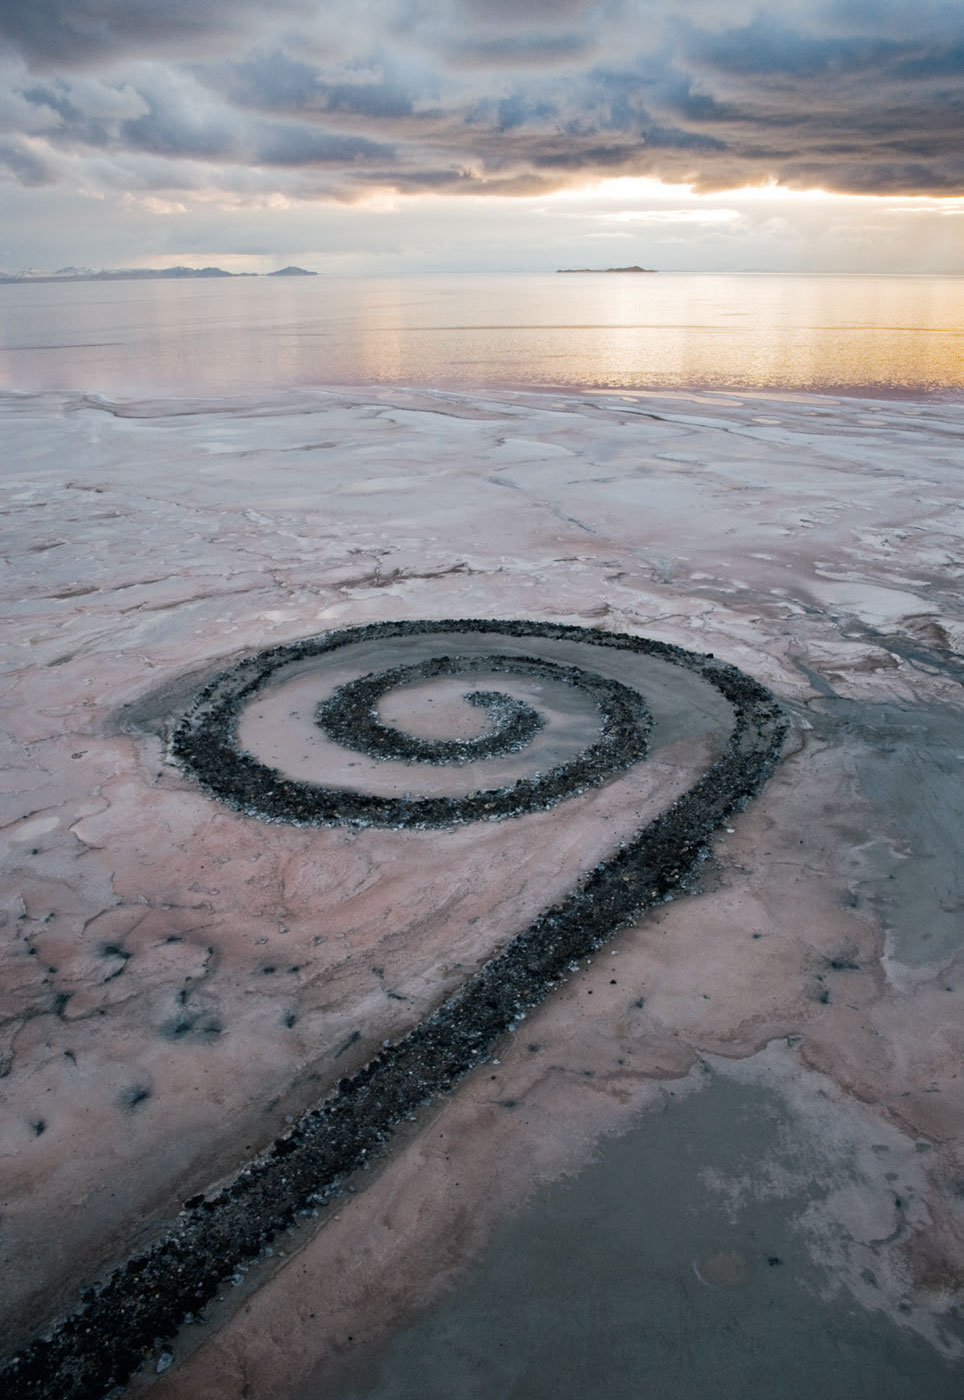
179 979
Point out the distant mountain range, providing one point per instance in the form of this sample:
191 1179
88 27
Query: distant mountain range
605 269
142 274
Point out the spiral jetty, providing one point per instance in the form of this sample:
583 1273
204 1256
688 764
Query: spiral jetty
140 1307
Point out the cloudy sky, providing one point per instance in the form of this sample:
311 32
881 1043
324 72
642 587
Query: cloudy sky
519 135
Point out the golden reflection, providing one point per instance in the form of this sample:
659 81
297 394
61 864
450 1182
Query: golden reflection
878 334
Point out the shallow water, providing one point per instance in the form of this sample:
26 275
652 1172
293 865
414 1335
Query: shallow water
680 1264
881 334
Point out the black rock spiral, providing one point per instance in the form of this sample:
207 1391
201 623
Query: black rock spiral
206 740
148 1298
350 716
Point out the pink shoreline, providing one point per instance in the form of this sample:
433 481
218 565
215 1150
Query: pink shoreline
944 393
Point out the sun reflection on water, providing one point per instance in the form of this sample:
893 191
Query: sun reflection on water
897 334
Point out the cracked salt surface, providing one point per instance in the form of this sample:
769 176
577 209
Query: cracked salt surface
176 979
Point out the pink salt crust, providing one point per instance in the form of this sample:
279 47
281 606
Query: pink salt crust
178 980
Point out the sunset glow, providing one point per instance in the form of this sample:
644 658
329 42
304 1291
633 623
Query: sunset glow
390 137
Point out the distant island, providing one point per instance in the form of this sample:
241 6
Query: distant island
606 269
142 274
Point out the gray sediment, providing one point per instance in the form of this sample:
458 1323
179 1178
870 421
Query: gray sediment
675 1265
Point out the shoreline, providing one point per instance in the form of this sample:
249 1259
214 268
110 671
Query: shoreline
871 393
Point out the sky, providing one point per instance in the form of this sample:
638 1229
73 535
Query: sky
390 136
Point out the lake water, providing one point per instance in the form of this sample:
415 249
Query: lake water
878 335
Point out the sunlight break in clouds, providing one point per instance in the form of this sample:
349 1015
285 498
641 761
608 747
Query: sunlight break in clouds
385 107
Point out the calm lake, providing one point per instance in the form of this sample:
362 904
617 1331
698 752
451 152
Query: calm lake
876 335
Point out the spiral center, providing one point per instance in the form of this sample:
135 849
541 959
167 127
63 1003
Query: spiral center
350 716
589 726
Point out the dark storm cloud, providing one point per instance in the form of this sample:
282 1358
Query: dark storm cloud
295 146
503 12
23 164
538 50
770 50
945 61
166 131
273 82
74 124
492 96
516 111
54 97
70 32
